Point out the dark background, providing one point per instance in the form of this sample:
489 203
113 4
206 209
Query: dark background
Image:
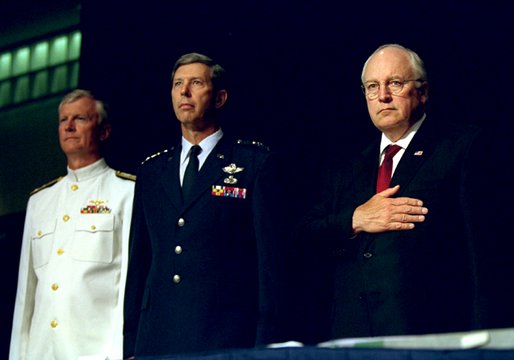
295 67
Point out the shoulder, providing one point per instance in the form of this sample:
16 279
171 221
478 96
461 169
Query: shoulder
125 176
45 186
158 155
251 145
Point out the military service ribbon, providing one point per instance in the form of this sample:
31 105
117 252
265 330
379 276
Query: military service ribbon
228 191
97 207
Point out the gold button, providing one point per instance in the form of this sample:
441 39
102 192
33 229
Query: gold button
74 187
178 249
181 222
54 323
66 218
55 287
176 279
39 233
93 227
60 251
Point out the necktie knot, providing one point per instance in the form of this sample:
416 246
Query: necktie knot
391 151
195 151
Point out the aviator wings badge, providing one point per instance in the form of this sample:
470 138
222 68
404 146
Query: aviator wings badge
231 170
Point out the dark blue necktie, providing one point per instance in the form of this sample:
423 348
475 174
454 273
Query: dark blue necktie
191 171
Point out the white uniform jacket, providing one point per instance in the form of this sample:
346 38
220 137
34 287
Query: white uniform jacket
69 301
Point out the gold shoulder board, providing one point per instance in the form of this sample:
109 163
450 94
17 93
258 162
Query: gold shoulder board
125 176
47 185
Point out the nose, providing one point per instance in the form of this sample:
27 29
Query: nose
69 125
384 94
184 90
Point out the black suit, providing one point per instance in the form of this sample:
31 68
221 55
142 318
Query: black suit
402 282
227 250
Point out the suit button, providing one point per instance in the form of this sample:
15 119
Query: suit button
178 249
54 323
368 255
55 287
181 222
176 278
66 218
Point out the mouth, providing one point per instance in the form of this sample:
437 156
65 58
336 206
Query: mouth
186 106
385 109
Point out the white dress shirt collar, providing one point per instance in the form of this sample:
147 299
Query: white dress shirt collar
206 144
405 139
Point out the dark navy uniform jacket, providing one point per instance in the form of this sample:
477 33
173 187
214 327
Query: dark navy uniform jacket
206 274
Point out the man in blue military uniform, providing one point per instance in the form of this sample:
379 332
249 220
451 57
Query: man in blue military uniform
207 258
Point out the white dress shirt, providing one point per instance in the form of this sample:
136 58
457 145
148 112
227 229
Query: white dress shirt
403 143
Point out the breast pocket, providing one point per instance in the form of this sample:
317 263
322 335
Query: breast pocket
42 237
94 238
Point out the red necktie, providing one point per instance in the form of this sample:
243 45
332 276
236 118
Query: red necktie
385 170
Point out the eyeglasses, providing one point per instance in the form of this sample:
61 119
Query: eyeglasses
394 87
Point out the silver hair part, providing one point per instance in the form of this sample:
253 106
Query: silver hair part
417 64
80 93
218 76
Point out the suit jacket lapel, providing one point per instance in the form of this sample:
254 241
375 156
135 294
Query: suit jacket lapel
170 177
420 148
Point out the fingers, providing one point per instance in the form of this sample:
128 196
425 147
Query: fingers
390 191
411 209
406 219
407 201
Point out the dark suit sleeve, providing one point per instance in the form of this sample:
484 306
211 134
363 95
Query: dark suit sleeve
330 219
319 234
139 264
271 224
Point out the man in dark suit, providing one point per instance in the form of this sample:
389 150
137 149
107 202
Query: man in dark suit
206 256
402 253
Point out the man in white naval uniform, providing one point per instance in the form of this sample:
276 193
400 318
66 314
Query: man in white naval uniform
69 301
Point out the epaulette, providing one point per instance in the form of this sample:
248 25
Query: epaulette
125 175
253 143
157 154
47 185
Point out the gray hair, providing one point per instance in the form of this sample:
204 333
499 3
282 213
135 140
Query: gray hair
79 94
218 74
417 64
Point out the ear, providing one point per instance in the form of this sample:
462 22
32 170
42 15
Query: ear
423 92
221 98
105 131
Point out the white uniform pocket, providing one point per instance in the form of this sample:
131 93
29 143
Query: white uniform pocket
42 242
94 238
